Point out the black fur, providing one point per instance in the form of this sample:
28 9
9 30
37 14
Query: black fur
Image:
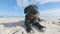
32 10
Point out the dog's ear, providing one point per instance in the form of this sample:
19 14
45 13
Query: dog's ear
25 10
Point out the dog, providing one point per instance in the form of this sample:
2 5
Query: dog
32 18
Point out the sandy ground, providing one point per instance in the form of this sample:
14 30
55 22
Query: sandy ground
16 26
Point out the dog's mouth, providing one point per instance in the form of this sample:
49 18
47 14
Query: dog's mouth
30 16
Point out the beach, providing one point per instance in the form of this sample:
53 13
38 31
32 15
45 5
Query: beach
16 26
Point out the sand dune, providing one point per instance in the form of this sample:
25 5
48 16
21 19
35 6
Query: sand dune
16 26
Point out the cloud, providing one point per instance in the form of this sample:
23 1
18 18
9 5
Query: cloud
54 13
15 7
10 0
46 1
3 13
24 3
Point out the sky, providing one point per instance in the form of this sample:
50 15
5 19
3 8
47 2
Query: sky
16 7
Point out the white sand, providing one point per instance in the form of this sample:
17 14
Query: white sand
16 26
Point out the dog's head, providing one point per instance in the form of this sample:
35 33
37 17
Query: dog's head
31 9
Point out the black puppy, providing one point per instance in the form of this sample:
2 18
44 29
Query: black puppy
32 17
